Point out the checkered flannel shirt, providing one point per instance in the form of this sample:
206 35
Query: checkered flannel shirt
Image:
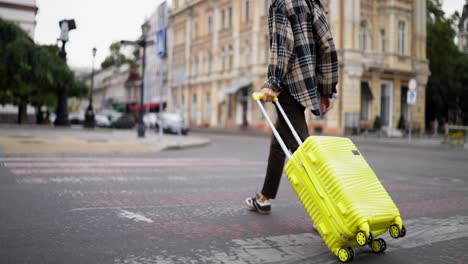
303 56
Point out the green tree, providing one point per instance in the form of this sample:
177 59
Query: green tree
448 83
117 58
32 74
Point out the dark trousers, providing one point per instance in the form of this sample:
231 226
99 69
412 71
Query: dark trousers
295 112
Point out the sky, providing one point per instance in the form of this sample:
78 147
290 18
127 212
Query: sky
98 22
101 22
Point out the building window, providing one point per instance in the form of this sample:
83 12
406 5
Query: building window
382 40
231 58
195 29
230 17
363 35
266 7
247 53
207 111
182 102
223 58
401 37
193 108
223 19
210 62
266 48
366 100
209 24
195 66
466 25
247 10
202 64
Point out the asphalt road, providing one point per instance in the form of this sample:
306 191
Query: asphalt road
186 206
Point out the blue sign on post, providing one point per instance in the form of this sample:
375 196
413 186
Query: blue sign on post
411 98
161 43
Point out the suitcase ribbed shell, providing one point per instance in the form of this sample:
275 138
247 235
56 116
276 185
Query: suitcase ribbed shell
340 191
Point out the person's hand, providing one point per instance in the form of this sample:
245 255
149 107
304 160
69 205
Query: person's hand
325 105
268 94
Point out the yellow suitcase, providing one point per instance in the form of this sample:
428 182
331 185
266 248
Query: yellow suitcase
340 192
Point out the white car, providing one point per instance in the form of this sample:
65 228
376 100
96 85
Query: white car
150 120
102 120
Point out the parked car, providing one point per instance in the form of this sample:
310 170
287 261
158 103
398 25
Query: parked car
112 115
172 123
150 119
102 120
76 118
126 121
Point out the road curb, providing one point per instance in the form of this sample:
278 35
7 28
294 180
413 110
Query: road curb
202 143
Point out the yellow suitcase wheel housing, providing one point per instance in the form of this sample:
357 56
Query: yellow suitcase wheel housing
345 255
361 238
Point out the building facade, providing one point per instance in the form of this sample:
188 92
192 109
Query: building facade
115 86
463 30
221 50
156 89
22 12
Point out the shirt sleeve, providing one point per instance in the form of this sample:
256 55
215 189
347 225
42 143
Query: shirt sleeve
327 58
281 48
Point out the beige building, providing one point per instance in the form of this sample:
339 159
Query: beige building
218 52
22 12
463 29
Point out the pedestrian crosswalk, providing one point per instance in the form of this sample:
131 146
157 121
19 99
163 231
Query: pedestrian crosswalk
200 199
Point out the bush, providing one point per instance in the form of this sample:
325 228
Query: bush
401 123
377 123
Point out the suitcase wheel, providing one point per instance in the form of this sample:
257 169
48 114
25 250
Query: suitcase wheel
378 245
395 231
345 255
403 231
362 239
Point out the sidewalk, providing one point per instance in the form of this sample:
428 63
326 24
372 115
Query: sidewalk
417 141
44 140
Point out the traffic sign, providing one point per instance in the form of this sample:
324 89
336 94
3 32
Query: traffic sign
411 97
412 84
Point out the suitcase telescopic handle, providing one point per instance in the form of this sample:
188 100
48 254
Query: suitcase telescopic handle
258 97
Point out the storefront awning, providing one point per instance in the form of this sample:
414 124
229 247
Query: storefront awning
236 87
366 91
147 106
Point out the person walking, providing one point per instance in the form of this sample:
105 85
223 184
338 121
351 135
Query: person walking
302 73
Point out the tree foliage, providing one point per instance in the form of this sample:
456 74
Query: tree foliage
447 88
30 73
117 57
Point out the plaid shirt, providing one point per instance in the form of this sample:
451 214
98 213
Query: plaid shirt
303 56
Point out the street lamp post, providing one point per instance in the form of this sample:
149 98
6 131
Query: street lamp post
89 116
142 43
62 96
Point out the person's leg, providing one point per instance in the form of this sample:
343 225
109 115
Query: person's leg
295 113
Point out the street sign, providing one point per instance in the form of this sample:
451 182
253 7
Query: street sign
412 84
411 97
161 43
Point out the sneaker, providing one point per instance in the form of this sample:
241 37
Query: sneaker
254 205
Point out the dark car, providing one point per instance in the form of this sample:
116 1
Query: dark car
172 123
126 121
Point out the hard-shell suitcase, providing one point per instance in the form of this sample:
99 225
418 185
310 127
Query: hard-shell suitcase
340 192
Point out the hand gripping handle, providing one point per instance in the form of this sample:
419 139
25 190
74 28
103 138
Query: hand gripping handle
257 98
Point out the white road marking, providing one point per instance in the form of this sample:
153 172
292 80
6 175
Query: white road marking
134 216
132 178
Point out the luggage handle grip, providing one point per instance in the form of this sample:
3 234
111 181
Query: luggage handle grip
259 96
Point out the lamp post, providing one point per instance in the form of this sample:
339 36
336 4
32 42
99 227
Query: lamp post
89 116
62 96
142 43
